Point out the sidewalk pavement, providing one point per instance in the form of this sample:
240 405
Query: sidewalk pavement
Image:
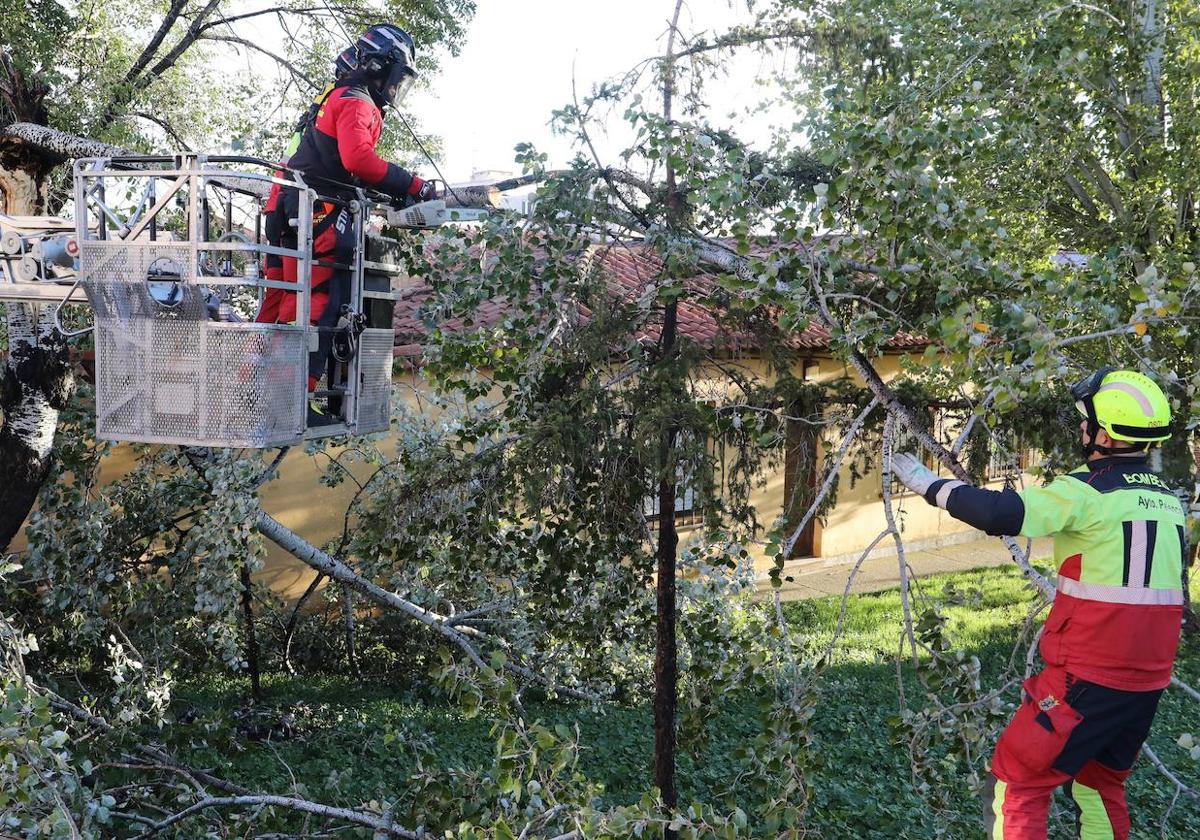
818 578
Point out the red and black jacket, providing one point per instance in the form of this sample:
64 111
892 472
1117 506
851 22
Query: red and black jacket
338 147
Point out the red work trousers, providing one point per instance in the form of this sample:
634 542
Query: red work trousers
329 244
274 222
1074 733
333 241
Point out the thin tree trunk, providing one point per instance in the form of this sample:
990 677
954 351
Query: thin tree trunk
348 617
289 631
666 664
666 661
252 664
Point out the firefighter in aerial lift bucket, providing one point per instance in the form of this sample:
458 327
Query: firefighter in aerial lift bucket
1110 639
279 306
336 151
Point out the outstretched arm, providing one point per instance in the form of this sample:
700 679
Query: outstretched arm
999 513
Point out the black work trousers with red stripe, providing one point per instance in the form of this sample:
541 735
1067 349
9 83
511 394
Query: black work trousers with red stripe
1067 732
333 242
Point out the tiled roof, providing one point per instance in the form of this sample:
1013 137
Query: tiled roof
629 268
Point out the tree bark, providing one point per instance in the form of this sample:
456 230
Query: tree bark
47 147
666 663
666 657
252 664
36 381
37 384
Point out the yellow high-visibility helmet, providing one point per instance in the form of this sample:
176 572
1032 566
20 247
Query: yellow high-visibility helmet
1128 405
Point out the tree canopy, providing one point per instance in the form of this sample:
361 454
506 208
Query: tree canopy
1010 185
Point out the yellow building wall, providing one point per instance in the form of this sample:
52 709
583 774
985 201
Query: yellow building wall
298 500
858 517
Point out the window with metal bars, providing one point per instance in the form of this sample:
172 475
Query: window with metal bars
687 508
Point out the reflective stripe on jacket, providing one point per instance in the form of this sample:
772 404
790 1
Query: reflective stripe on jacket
1119 545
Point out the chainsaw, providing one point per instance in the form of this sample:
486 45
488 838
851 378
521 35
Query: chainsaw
432 214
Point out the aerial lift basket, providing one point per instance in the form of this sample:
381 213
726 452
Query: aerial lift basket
170 257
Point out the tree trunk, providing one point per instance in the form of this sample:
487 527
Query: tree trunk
36 381
666 660
252 665
666 664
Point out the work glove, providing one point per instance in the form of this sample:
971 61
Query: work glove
421 190
912 473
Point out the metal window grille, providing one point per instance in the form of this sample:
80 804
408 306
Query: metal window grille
686 509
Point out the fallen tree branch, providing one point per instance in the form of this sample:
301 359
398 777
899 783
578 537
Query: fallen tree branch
60 145
889 432
845 603
155 754
381 825
1166 771
338 570
1185 688
238 795
905 414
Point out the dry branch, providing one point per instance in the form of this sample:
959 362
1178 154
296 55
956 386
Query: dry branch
238 795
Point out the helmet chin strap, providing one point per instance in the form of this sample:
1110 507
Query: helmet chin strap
1093 431
1089 448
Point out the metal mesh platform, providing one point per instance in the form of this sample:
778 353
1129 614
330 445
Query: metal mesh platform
173 253
165 373
375 388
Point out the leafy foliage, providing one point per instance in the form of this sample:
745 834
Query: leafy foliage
1007 184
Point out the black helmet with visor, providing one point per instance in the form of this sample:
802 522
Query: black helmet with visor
387 54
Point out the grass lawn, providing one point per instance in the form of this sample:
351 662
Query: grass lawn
354 742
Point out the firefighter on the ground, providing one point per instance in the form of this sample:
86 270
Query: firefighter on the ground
337 153
1110 638
278 305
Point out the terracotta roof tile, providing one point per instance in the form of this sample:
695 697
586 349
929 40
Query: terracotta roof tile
630 269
